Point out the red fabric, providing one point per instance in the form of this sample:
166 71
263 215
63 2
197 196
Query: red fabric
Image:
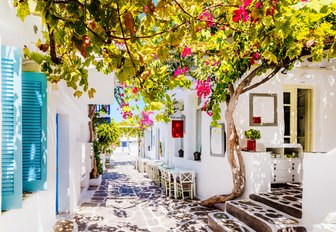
177 128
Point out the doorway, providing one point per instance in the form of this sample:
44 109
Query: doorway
62 163
297 106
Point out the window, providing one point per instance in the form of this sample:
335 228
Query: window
23 130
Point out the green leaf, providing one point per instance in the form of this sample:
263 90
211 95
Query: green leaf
23 9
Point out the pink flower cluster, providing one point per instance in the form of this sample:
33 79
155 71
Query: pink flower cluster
180 71
135 90
186 52
208 18
203 88
255 56
240 14
145 119
204 108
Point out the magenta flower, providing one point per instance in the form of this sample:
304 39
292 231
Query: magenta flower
145 119
186 52
203 88
180 71
135 90
240 14
258 5
208 18
256 56
145 9
247 3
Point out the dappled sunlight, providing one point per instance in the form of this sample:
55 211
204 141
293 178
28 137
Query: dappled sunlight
129 200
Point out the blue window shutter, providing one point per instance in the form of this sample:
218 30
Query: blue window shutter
11 128
34 131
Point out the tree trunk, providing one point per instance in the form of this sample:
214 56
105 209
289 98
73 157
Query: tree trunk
92 109
233 152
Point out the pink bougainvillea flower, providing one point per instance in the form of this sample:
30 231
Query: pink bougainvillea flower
180 71
207 62
135 90
145 9
186 52
247 3
209 113
208 18
258 5
216 63
304 0
240 14
204 106
256 55
145 119
203 88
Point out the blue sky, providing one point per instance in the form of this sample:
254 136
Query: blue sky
116 114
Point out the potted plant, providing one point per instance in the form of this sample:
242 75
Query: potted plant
252 135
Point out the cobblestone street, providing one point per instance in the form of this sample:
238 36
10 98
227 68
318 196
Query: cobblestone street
128 201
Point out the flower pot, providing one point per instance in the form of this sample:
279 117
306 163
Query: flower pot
197 155
251 145
181 152
96 181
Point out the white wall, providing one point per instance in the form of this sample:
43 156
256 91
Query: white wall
38 210
213 173
319 189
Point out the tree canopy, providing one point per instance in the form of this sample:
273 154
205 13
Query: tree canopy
155 48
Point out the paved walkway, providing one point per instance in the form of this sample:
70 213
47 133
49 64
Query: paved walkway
128 201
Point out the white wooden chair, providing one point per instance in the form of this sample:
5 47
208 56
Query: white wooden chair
185 183
167 182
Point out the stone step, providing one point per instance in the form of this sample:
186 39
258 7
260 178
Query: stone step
224 222
287 200
263 218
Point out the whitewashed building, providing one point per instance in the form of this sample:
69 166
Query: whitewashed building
298 107
45 154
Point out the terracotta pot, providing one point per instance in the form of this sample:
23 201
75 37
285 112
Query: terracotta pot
251 145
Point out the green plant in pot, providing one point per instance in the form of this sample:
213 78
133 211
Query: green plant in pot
252 135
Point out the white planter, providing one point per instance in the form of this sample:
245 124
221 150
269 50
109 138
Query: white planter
102 160
96 181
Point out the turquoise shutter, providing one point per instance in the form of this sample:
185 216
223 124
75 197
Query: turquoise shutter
34 131
11 128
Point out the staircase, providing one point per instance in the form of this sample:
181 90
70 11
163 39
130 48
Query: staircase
275 211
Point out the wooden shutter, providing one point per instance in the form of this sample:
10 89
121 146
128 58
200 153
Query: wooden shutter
11 128
34 131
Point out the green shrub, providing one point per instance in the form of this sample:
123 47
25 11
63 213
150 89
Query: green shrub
253 134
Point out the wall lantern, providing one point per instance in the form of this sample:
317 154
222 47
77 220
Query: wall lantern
177 128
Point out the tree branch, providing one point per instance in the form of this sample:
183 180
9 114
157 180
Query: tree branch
184 11
272 74
53 54
123 34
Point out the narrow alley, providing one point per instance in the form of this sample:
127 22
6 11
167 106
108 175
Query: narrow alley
128 201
